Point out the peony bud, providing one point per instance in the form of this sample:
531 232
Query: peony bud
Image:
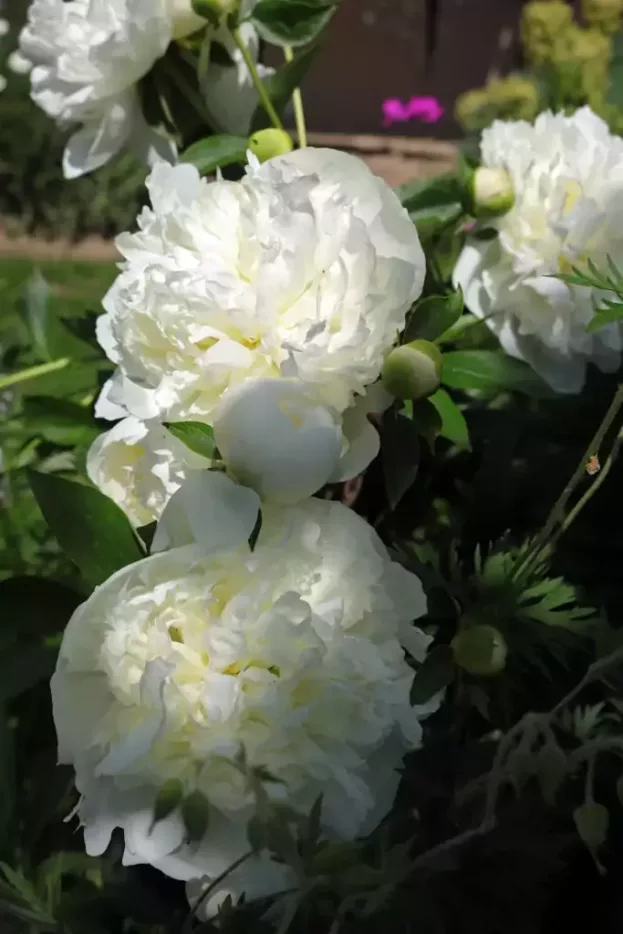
480 650
412 371
277 437
492 191
266 144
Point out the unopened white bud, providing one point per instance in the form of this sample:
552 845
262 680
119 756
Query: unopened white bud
492 191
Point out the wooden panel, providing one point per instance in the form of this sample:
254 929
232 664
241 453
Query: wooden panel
373 49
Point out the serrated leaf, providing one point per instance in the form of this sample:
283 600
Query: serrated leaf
215 152
400 450
490 372
435 673
291 22
90 528
433 316
611 313
453 425
195 435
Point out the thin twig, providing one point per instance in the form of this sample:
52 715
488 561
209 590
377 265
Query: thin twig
297 101
214 885
557 514
259 85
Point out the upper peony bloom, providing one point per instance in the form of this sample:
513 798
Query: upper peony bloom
567 176
305 268
140 465
294 652
88 56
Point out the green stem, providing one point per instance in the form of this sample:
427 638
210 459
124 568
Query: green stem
42 369
557 514
259 85
297 101
212 887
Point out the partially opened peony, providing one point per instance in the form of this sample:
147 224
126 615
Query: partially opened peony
140 465
567 177
293 651
303 271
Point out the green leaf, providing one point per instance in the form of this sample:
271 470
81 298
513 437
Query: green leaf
7 778
196 815
216 151
433 221
420 195
613 311
197 436
285 80
168 798
90 528
291 22
490 372
453 424
401 455
427 421
36 295
33 606
615 78
433 316
592 821
23 666
255 534
435 673
59 421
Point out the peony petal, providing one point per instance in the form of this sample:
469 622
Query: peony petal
210 510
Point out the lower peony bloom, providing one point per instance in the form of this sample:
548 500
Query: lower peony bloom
294 652
567 177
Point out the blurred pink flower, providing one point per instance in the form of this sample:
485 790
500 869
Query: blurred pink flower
426 109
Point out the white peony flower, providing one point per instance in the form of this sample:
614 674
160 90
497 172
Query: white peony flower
305 268
293 652
87 57
567 176
140 465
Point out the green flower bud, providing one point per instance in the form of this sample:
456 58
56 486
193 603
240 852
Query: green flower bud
413 370
480 650
492 191
266 144
214 10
